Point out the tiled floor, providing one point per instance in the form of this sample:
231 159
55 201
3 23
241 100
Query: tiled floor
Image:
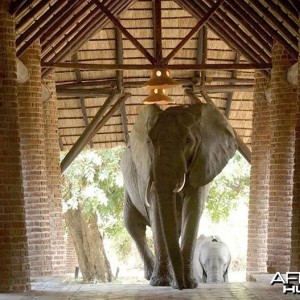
62 291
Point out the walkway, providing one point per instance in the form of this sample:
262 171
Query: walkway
65 291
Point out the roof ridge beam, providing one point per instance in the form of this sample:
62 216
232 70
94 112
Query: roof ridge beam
232 66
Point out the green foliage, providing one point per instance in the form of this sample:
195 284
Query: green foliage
229 188
94 181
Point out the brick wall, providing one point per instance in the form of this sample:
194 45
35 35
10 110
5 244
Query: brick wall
34 165
283 108
259 179
14 274
295 253
54 179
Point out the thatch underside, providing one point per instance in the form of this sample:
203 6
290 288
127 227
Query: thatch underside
232 35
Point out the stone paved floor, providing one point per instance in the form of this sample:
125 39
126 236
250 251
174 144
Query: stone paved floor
72 291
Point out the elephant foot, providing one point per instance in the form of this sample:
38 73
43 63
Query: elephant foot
188 284
148 273
162 280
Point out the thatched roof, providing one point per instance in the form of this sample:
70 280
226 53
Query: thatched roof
80 32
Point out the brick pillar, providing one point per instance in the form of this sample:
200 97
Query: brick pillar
295 244
283 109
58 252
34 165
259 180
14 274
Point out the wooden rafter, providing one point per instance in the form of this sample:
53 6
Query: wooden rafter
201 53
194 30
273 21
59 14
230 94
263 23
86 135
80 36
17 6
130 37
242 147
244 66
253 48
81 98
93 92
157 32
119 80
51 45
32 12
221 29
258 33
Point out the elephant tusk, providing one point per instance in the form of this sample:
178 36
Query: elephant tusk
183 183
148 191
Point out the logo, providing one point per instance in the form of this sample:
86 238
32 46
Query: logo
291 283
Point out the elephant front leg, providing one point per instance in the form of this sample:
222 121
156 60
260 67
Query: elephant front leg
136 227
192 210
161 273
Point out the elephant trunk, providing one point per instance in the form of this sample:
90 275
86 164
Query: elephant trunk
167 212
215 277
169 180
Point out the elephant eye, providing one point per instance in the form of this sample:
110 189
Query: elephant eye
188 140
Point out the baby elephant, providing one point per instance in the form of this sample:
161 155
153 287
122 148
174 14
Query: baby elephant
211 260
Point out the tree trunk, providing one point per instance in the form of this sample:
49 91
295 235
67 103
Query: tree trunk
89 247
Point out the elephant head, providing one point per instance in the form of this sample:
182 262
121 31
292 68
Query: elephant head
211 260
180 147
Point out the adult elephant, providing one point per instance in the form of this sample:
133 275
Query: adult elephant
172 155
211 260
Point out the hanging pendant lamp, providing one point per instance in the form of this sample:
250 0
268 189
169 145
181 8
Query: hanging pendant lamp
158 96
160 79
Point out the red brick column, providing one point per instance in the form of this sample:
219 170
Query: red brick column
295 252
259 180
283 109
14 274
58 252
34 165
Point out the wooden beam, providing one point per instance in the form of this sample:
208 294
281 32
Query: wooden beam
263 38
230 94
221 29
84 92
157 36
88 133
119 58
88 83
222 88
17 6
133 40
228 23
40 30
201 54
124 122
244 66
77 36
201 23
32 12
273 21
242 147
81 98
268 28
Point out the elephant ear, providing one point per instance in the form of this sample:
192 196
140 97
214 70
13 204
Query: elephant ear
139 139
217 144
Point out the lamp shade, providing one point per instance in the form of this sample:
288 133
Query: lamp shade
158 96
160 79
